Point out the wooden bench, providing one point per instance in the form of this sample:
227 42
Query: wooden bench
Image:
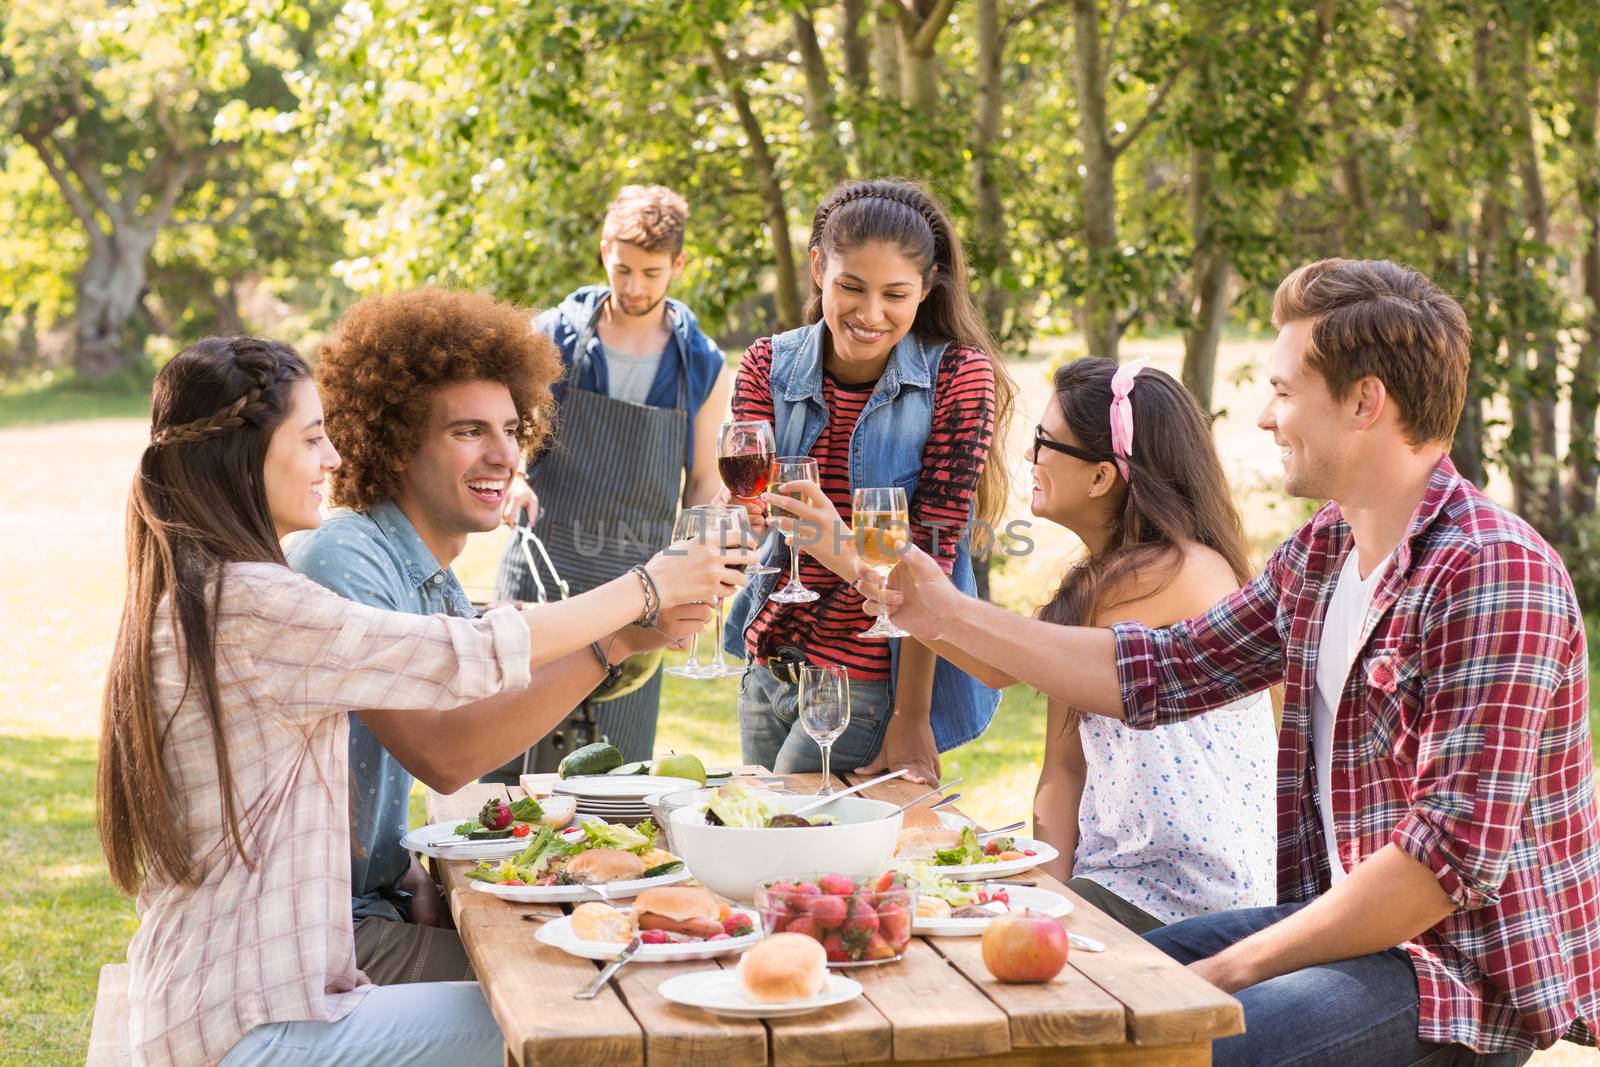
108 1039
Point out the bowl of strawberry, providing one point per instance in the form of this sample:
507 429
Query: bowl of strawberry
858 922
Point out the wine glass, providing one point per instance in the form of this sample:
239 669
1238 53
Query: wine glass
880 520
794 469
824 711
691 526
745 448
721 521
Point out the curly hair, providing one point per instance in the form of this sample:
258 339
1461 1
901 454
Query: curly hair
379 365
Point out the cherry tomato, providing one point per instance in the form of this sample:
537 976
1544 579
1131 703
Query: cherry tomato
522 829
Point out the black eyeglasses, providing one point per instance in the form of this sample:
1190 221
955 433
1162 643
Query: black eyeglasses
1041 441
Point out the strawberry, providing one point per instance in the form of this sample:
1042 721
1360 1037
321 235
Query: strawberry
877 949
777 916
861 926
888 880
836 885
720 937
513 881
737 925
829 911
653 937
894 923
805 924
496 815
806 889
522 829
833 945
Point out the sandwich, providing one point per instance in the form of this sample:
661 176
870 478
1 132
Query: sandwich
679 909
594 921
784 967
601 865
922 845
920 817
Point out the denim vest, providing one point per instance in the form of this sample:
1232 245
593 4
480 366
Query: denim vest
885 450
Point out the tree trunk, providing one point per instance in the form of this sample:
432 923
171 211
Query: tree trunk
1581 460
109 285
1467 450
819 90
991 250
1210 266
886 45
857 47
1101 332
771 188
920 26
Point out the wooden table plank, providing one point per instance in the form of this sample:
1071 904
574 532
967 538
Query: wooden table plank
1070 1010
675 1036
855 1032
932 1011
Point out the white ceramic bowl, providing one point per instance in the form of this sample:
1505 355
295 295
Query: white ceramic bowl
734 861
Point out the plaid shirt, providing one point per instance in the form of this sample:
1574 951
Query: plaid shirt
1461 736
212 961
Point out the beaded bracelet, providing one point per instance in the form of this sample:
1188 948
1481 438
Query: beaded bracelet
652 597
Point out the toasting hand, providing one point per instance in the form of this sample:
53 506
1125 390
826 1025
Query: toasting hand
702 571
919 597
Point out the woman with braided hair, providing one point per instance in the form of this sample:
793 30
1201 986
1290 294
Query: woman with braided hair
222 787
894 383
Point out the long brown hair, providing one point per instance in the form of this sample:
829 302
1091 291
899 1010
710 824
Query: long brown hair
906 215
1176 492
199 501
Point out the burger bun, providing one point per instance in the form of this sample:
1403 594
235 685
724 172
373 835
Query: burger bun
782 968
599 866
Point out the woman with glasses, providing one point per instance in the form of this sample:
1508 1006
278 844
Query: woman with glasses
1152 825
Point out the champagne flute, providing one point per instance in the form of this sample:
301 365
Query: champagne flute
794 469
691 526
722 520
745 448
880 520
824 711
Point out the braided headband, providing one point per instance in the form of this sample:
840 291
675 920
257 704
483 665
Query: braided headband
867 192
228 418
1122 413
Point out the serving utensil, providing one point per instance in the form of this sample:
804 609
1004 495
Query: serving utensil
945 803
592 990
1010 881
999 830
831 797
540 916
924 796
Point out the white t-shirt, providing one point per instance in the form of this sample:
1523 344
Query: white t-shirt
1341 630
630 376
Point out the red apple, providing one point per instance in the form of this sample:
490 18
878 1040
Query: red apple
1024 946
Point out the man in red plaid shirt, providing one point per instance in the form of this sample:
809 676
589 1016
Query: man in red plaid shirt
1438 837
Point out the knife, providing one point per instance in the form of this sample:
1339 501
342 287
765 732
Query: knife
592 990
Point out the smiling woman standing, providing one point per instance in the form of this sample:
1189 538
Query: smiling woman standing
893 385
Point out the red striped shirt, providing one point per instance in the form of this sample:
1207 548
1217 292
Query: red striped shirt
952 461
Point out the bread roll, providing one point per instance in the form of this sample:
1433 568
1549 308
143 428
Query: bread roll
600 865
784 967
555 812
594 921
682 909
922 844
932 907
920 817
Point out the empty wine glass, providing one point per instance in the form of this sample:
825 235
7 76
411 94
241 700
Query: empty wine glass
794 469
824 711
880 520
745 448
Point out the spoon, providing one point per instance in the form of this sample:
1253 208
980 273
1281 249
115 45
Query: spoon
824 801
1006 829
946 802
924 796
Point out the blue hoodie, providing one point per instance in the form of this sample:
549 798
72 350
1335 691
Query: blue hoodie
565 322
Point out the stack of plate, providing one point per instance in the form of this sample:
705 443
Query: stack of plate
623 798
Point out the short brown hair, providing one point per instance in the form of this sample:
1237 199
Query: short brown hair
650 216
386 355
1374 318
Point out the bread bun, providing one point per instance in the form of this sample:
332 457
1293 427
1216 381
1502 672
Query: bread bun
922 844
600 865
932 907
920 817
594 921
556 812
784 967
683 909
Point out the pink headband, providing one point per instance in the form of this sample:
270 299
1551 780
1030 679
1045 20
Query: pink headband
1122 413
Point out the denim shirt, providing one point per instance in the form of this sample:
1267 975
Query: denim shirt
377 558
700 357
885 450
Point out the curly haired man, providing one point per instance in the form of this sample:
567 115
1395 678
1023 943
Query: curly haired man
431 398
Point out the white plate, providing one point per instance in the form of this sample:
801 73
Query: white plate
1040 900
623 786
557 894
977 872
721 993
557 933
427 840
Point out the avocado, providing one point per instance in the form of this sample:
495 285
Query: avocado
598 758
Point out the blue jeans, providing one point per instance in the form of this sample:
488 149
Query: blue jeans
770 733
416 1025
1357 1011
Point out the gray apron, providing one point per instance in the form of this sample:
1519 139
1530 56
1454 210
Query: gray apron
609 489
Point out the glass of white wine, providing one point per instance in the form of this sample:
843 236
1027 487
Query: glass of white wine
824 711
880 520
691 526
794 469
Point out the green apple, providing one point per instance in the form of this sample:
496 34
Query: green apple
673 765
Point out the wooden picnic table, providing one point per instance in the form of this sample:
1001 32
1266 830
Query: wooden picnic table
1130 1005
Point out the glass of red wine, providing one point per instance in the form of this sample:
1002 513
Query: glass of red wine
745 451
